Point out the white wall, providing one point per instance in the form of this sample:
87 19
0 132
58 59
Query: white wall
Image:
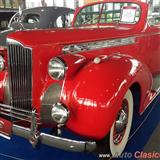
33 3
156 2
70 3
37 3
59 3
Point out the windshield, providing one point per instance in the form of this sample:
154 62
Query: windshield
104 13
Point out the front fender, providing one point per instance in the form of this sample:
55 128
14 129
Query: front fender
3 74
3 78
94 95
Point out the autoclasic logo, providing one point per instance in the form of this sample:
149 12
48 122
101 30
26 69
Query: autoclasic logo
1 124
129 155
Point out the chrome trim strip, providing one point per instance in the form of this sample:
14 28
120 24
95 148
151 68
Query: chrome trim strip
16 109
88 46
157 93
17 113
15 116
13 41
4 136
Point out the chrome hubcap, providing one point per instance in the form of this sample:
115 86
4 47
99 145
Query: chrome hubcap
121 123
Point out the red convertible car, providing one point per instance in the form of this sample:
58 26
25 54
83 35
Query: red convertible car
88 79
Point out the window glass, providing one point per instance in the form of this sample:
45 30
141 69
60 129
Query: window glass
69 19
118 12
59 22
3 24
31 18
111 12
88 15
154 12
64 20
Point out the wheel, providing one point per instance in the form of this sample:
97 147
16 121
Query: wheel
114 143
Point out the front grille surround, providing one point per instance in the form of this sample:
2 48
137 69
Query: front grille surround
50 97
20 75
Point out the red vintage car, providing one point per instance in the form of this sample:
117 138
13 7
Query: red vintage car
89 78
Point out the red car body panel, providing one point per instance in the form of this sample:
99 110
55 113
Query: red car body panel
3 74
88 105
93 92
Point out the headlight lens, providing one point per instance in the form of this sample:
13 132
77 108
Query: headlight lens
1 63
59 113
56 68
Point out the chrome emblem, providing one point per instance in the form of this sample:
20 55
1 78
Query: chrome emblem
1 124
88 46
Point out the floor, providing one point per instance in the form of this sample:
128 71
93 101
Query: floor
145 138
153 144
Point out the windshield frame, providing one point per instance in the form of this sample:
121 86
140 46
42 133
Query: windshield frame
101 12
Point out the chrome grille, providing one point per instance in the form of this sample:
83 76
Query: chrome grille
20 75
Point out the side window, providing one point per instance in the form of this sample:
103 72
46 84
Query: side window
3 24
59 22
31 18
69 19
64 20
154 13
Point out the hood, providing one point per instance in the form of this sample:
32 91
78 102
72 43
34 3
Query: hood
69 35
3 36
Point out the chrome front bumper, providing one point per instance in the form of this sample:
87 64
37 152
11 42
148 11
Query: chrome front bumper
7 128
55 141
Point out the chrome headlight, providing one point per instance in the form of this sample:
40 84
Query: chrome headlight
1 63
59 113
56 68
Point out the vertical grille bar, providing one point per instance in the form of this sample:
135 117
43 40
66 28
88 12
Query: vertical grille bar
20 73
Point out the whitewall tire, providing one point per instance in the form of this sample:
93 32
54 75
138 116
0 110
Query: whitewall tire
115 142
119 140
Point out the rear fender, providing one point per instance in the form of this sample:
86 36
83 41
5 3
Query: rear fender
94 95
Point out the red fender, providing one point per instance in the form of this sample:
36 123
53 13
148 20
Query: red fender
94 95
3 74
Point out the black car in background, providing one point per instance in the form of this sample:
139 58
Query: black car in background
5 16
38 18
